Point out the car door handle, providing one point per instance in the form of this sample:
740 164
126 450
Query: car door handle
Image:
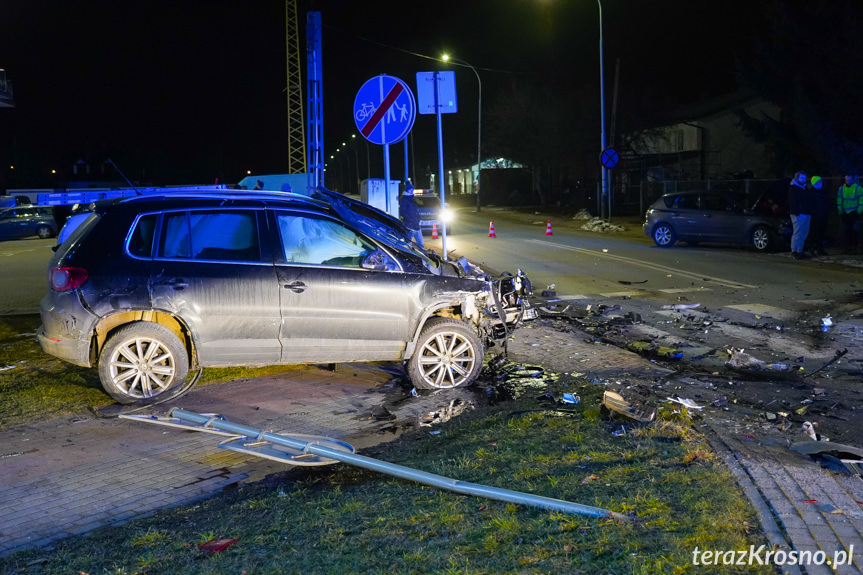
176 283
296 286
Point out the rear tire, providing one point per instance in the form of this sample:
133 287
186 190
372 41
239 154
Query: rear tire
663 235
143 363
448 354
44 232
762 239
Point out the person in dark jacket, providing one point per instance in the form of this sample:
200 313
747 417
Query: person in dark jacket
821 207
800 208
410 215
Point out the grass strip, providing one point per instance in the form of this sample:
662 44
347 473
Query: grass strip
341 519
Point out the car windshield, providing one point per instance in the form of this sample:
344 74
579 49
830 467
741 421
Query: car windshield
428 201
379 225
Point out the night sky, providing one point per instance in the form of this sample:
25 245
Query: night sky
184 92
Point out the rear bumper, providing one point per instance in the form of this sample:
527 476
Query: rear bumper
66 328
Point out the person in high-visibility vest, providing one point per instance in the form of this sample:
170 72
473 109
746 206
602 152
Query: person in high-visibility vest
849 203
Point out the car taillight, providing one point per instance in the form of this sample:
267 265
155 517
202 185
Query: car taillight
65 279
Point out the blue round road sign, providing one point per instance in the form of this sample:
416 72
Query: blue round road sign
384 110
609 158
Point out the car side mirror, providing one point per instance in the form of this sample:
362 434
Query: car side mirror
379 260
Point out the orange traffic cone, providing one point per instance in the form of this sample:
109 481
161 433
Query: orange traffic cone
491 233
548 231
434 231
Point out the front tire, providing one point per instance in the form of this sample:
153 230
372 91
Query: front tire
762 239
448 354
143 362
44 232
663 235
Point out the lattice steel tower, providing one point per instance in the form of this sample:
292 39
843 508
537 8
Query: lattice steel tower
296 118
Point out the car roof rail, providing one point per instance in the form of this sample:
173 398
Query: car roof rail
228 195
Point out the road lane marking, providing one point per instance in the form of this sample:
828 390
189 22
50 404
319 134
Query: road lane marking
654 267
625 294
683 290
763 310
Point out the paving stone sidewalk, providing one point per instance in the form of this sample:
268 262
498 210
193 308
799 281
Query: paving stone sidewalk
65 478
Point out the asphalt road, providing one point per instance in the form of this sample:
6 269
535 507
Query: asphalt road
23 274
582 263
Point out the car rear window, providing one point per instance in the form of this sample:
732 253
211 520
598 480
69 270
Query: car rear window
219 236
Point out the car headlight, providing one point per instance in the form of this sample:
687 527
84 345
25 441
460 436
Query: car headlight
447 215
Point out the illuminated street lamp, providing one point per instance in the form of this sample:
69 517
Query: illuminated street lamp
447 58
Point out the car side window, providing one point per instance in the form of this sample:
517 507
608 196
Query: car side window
683 203
219 236
141 239
309 240
717 203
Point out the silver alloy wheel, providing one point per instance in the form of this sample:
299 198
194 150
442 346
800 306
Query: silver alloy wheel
447 359
142 367
761 238
449 354
663 235
43 232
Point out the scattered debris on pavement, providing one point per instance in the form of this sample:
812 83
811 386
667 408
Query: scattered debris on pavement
743 361
685 402
636 406
602 226
217 545
455 408
809 429
848 457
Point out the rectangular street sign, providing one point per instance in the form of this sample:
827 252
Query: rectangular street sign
425 92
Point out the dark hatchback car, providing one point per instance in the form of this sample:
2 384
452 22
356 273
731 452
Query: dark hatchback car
147 288
722 217
27 221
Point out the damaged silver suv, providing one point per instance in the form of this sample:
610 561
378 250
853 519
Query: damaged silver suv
148 288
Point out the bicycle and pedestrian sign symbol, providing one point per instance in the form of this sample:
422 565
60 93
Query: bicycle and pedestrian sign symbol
384 110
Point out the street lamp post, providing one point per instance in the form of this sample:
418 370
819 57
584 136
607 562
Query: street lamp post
368 159
604 199
447 58
356 163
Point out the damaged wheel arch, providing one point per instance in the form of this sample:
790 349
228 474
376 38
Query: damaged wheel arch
108 325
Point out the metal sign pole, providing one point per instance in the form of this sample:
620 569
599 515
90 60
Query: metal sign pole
440 157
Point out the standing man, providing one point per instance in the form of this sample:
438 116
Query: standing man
410 215
799 205
820 214
849 203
